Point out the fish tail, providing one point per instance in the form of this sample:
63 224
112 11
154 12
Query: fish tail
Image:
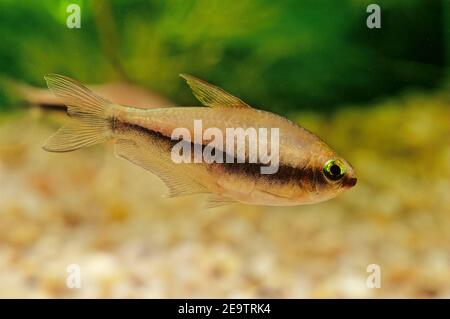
91 114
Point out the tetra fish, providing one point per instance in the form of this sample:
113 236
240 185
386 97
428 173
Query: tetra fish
309 170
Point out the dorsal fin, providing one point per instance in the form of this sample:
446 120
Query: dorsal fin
211 95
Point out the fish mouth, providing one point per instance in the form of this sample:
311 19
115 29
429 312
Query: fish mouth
349 181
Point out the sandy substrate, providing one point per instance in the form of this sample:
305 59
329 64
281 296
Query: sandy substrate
106 215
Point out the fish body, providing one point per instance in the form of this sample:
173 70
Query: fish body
308 170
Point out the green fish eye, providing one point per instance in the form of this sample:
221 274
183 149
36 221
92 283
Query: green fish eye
334 169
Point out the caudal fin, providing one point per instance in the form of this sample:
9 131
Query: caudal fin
91 122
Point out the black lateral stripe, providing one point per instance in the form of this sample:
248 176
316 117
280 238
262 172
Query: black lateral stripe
285 173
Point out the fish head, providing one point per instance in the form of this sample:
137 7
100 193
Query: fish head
332 175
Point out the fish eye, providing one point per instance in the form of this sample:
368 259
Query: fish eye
334 169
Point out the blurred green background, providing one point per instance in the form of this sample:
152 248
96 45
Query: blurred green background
379 97
285 56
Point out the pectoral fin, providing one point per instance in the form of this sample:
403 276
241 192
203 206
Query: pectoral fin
211 95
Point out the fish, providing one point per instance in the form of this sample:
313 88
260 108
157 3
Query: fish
308 170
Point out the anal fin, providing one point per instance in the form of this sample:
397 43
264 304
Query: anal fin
177 183
214 200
